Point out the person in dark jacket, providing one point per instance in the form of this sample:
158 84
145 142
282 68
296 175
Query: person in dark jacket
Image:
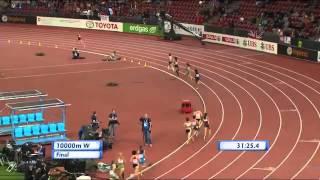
146 129
113 122
94 120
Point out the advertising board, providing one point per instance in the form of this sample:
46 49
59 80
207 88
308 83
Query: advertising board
302 53
18 19
141 29
80 23
241 42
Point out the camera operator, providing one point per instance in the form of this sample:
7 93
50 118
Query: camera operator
8 151
107 141
94 120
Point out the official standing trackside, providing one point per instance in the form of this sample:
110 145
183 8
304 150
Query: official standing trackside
113 122
94 120
146 129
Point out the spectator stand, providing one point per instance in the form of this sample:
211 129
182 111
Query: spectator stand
38 131
5 120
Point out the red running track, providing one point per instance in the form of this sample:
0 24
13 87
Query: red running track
248 96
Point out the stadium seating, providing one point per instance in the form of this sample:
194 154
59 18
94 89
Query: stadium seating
52 128
61 127
18 132
6 120
40 133
21 119
39 129
39 116
36 129
27 131
44 129
15 119
31 117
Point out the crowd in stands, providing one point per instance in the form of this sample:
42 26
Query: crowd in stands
91 8
294 18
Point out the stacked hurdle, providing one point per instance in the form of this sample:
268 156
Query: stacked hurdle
26 122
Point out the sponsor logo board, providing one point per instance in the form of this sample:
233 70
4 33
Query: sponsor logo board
79 23
301 53
15 19
242 42
141 29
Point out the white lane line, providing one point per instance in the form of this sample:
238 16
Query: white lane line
73 72
255 54
264 169
306 164
51 66
288 110
310 141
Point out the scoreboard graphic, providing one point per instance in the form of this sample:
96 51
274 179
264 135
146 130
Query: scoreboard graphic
77 150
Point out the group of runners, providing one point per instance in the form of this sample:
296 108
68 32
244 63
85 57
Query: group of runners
137 159
193 126
173 65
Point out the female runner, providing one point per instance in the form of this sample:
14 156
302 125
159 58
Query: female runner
170 63
206 126
188 127
112 173
188 71
135 164
120 165
197 77
142 157
80 40
176 66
